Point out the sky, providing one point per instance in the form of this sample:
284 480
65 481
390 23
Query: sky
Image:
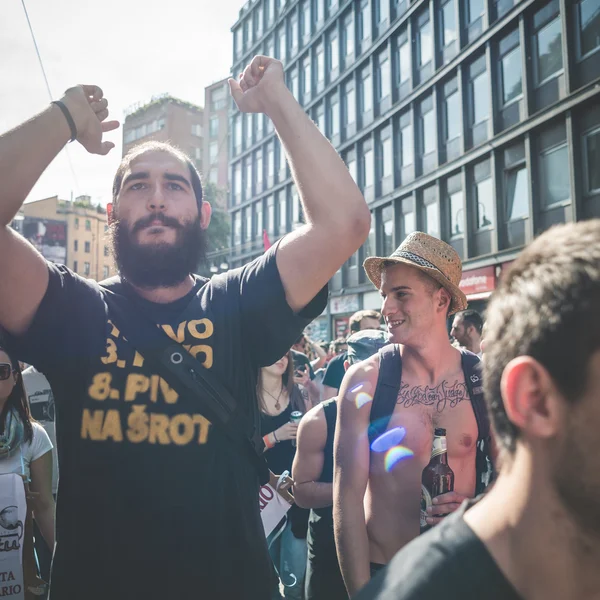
132 49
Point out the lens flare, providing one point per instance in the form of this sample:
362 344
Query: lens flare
363 398
357 388
388 440
396 455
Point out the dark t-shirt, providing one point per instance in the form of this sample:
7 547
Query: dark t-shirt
335 371
448 562
153 501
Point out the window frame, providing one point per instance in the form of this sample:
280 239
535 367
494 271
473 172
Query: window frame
537 82
579 55
586 162
544 205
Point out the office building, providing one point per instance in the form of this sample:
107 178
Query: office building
477 121
166 119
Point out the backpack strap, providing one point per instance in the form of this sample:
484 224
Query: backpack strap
472 369
386 392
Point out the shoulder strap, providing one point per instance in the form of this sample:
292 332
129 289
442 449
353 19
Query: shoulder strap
386 392
472 369
187 376
330 411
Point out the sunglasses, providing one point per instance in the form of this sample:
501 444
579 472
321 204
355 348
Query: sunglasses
6 371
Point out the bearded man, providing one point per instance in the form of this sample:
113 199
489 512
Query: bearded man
153 500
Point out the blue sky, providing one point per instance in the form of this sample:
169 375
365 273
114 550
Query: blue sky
133 49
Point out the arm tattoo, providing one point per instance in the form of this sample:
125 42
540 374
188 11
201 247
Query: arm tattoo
442 396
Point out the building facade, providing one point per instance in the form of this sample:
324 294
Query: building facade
477 121
216 134
167 119
69 233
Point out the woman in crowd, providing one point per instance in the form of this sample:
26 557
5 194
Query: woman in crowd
281 391
26 449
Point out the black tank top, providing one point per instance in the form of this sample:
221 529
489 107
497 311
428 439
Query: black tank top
321 543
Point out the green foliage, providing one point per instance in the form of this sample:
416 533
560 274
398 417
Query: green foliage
219 230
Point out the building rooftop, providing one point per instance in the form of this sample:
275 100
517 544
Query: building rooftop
138 108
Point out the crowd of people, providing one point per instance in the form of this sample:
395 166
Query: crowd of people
177 396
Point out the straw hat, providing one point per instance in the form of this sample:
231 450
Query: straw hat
431 256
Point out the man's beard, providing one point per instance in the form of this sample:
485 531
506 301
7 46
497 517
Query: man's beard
157 265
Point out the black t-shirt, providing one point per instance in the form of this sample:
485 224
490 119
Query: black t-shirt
448 562
153 502
335 371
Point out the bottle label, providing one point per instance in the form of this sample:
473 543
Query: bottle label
425 504
440 446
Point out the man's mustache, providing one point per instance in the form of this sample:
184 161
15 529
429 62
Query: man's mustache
147 221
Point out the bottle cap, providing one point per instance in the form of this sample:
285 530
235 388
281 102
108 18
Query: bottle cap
440 431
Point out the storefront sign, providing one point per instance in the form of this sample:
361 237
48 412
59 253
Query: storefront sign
478 281
344 304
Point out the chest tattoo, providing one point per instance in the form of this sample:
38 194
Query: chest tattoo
444 395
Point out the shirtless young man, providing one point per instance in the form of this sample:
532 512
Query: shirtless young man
376 511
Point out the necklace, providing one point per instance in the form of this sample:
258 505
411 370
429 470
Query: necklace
277 403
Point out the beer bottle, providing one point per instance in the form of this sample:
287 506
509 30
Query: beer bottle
438 477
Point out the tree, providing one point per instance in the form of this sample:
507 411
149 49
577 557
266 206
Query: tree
219 230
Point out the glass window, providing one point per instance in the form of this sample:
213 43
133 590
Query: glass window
87 247
307 75
248 229
448 23
305 18
238 132
334 116
239 41
319 10
554 176
213 126
294 84
407 143
409 223
592 148
453 120
248 179
75 266
425 45
270 215
237 181
76 222
475 9
213 152
383 8
433 219
259 169
334 50
589 19
282 45
404 62
271 13
370 244
366 92
106 271
294 32
351 163
481 98
320 120
350 106
258 217
282 212
76 245
259 21
320 64
385 84
456 214
387 158
517 194
368 172
485 203
282 158
511 75
88 225
270 160
429 133
387 222
86 269
549 50
364 25
349 36
296 217
213 176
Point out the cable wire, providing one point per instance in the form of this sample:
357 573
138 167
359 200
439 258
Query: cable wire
37 51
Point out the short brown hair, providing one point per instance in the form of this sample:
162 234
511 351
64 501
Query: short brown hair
154 146
546 307
357 317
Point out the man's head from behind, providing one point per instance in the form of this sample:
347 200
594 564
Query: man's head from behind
364 319
467 327
542 363
159 217
364 344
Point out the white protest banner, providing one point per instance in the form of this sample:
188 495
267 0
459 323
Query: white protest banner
272 507
13 513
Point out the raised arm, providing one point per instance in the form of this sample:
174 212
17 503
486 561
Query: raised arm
308 462
337 216
351 474
25 152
